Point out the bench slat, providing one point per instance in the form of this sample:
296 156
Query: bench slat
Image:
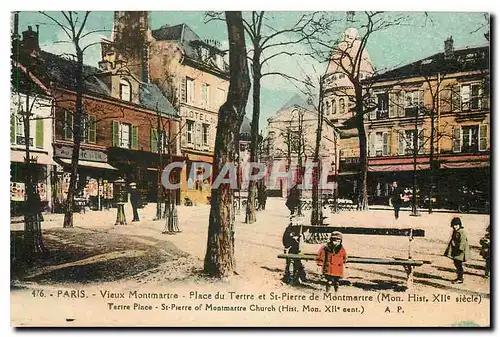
365 231
354 259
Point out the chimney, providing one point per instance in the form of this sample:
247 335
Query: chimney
448 48
15 33
30 40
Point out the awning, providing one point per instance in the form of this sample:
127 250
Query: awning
397 168
93 164
472 164
42 158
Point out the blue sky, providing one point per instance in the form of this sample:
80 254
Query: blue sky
421 35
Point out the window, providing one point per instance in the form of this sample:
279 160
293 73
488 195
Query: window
408 142
124 132
382 106
206 133
471 96
89 129
334 106
204 54
68 125
125 92
190 131
190 89
205 93
341 105
380 144
470 138
219 61
412 103
328 108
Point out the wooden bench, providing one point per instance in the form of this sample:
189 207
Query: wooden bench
408 264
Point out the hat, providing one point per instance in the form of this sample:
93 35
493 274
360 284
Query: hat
336 235
456 221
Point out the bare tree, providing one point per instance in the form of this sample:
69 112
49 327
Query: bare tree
349 57
219 257
268 42
73 26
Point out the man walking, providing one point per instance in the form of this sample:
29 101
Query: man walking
134 200
396 198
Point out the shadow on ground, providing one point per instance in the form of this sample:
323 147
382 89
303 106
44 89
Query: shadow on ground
77 255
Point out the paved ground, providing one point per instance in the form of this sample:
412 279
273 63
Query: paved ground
258 244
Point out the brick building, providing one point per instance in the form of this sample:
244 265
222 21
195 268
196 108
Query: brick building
127 124
191 72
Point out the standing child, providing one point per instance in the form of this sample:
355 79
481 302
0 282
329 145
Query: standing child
485 251
331 258
458 248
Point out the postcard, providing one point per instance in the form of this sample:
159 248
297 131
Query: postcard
250 169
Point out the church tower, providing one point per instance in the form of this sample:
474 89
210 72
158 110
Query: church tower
130 43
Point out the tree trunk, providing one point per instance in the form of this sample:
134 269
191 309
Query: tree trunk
317 207
219 258
363 158
29 218
159 190
77 134
254 141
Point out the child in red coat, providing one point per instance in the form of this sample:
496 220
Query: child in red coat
331 258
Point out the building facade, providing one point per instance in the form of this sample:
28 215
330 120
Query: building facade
440 101
291 134
127 125
191 72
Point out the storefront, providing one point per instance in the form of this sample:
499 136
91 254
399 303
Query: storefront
94 181
145 169
42 166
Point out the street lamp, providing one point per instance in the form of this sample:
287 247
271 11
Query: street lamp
120 195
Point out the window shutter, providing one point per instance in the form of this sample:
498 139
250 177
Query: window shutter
183 89
455 98
154 140
92 129
39 133
114 133
12 129
483 137
485 100
457 139
392 105
134 139
401 104
421 142
385 144
197 135
371 144
401 143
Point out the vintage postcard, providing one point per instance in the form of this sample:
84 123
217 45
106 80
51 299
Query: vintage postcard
250 169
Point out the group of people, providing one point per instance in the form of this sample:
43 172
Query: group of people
332 256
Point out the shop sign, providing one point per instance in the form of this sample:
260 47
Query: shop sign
85 154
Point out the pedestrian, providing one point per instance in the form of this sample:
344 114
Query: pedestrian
458 248
134 200
396 198
485 251
262 196
331 258
292 201
291 244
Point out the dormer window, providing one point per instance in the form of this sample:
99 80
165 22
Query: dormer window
125 92
204 54
219 61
